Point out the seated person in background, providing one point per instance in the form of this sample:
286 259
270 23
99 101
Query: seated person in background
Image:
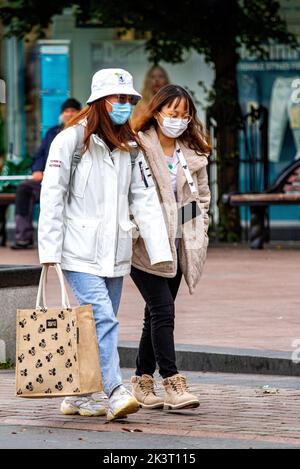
28 193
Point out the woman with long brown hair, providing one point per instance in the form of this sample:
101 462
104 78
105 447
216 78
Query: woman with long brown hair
177 149
85 225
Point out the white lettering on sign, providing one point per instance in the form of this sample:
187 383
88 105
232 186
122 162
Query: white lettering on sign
2 92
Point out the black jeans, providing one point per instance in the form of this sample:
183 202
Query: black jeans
157 341
28 194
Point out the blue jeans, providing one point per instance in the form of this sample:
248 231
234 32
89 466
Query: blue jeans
104 295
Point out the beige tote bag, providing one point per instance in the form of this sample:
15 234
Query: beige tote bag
57 349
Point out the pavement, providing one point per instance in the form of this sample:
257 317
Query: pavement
243 317
236 411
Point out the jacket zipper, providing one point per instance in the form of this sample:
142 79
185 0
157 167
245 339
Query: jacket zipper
117 223
117 227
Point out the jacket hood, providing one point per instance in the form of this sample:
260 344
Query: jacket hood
192 252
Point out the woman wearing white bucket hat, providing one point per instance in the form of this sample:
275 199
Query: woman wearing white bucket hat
85 225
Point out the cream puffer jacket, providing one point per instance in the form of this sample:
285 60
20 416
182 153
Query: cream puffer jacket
194 240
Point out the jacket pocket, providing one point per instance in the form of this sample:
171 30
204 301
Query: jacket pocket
80 177
124 242
81 239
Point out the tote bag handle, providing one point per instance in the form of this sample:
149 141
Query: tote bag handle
65 302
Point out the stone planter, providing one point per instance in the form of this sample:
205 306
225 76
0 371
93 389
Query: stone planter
18 290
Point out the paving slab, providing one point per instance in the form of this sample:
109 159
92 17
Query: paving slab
235 411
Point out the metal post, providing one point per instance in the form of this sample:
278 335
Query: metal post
213 175
15 99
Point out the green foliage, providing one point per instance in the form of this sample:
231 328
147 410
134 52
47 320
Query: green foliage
12 169
21 16
208 26
7 366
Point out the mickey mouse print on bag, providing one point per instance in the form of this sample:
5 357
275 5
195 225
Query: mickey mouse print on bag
48 344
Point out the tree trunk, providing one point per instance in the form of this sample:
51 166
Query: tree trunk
226 111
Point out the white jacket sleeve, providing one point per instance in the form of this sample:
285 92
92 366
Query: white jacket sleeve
147 212
55 186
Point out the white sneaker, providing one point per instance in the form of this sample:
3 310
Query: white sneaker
82 405
121 404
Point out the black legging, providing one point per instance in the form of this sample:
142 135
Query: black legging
157 341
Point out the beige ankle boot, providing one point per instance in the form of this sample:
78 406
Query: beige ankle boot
177 395
143 391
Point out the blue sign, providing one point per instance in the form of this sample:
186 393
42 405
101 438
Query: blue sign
54 83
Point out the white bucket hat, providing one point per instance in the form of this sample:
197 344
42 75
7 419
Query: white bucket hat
111 81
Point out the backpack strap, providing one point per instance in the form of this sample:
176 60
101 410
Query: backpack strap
76 157
134 152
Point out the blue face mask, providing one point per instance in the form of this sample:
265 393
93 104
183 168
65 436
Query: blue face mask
120 112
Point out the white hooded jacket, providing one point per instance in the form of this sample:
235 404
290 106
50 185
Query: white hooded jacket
93 233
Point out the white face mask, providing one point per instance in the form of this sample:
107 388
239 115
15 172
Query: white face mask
173 127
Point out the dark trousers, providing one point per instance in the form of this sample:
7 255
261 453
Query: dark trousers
28 194
157 341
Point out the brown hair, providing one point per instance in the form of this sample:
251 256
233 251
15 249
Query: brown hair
195 136
98 122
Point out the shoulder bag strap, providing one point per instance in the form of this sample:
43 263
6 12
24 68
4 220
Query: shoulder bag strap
186 169
76 157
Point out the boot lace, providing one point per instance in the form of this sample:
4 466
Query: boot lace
178 384
147 386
